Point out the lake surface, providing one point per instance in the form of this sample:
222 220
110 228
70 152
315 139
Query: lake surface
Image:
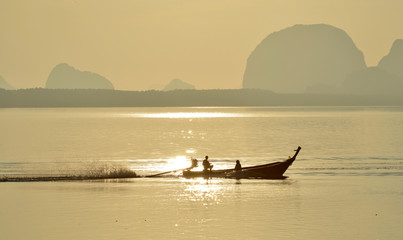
347 181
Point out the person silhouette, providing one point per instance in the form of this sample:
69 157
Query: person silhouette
238 166
193 163
206 165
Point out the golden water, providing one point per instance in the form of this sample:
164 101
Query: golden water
345 184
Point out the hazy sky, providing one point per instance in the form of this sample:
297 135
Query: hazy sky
140 43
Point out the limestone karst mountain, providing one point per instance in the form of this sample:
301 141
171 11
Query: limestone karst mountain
4 84
393 62
385 79
373 81
178 84
316 57
64 76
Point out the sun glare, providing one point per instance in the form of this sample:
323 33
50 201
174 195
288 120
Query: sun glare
210 193
179 162
190 151
184 115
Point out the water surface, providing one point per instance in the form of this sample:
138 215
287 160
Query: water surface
345 184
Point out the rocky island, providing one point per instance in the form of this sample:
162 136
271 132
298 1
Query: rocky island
64 76
4 84
303 58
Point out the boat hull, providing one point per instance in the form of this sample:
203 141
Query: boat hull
274 170
267 171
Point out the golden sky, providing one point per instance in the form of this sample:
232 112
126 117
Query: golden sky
137 44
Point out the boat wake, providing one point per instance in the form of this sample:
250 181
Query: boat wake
93 171
112 175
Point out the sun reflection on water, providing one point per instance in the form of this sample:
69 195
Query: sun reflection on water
179 162
190 151
207 191
185 115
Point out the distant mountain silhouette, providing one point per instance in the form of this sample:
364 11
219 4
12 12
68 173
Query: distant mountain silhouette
393 62
4 84
303 58
178 84
373 81
64 76
385 79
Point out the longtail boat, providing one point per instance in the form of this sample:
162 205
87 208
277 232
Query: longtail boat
267 171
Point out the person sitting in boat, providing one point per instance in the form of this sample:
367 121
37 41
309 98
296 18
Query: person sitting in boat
238 166
194 163
206 165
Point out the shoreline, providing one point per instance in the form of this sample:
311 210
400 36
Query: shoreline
81 98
